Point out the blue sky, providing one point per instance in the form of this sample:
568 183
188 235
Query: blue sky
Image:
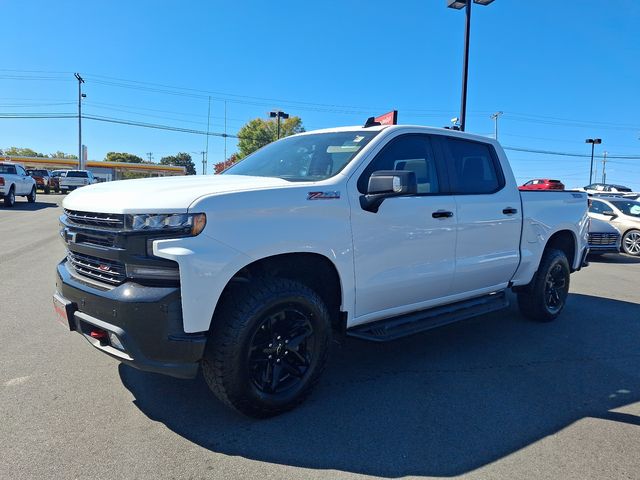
560 71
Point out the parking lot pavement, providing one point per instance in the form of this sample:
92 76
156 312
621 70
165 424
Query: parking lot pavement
493 397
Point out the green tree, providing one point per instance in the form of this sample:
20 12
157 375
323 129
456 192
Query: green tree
22 152
60 154
122 157
182 159
258 132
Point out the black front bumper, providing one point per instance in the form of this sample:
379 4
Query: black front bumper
147 321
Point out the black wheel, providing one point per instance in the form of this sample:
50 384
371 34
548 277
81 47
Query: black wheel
47 190
268 346
544 298
631 243
31 198
10 198
56 189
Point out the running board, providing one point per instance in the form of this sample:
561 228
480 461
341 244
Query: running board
404 325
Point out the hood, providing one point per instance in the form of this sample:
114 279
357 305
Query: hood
600 226
161 195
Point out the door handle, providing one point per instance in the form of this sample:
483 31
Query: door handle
510 211
442 214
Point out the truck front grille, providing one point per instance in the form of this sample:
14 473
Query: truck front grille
107 271
103 220
603 238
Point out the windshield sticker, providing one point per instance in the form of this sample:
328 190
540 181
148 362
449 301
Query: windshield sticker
635 210
323 195
358 139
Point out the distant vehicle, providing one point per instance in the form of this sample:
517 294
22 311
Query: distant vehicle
75 179
542 184
622 213
14 182
56 175
603 237
44 180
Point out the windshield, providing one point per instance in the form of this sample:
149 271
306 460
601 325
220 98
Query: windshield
8 169
304 158
77 174
628 207
39 173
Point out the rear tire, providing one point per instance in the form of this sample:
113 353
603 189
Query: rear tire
545 297
267 347
10 198
31 198
47 190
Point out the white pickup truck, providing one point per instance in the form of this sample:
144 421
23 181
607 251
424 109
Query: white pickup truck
14 182
75 179
375 232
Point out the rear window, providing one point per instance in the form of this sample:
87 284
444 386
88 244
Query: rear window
8 169
39 173
77 174
554 181
473 167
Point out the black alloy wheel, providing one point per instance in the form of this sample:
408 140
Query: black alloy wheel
556 288
281 350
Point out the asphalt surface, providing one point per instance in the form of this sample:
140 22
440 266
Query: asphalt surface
494 397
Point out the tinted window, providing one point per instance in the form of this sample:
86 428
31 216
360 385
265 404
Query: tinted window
73 173
472 166
598 207
628 207
9 169
20 170
408 152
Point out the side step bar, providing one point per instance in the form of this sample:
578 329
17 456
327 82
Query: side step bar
404 325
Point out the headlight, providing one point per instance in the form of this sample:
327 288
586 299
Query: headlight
192 223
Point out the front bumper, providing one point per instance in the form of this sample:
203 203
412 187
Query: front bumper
604 249
146 320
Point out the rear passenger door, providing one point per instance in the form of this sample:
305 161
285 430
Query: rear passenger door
489 217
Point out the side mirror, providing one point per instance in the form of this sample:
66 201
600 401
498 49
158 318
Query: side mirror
609 213
385 184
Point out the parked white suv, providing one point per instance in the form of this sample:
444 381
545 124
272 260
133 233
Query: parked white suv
14 182
376 232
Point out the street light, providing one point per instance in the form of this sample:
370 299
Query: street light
458 4
278 114
593 142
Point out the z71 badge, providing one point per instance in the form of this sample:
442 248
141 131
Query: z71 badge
323 195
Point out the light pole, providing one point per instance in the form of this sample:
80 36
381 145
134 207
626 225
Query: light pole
458 4
495 119
80 96
593 142
278 114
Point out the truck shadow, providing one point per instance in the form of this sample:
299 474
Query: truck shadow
439 404
22 205
614 258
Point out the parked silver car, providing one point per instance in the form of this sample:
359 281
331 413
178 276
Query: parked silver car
622 213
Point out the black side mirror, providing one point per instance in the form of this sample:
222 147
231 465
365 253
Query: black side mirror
609 213
385 184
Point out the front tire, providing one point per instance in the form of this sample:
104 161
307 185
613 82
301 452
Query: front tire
631 243
47 190
545 297
267 347
10 198
31 198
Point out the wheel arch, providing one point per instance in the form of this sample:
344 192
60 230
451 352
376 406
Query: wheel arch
314 270
565 241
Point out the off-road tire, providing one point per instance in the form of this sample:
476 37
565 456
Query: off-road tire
534 299
241 313
31 198
10 198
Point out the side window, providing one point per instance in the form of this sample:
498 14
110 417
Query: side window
407 152
473 167
598 207
20 170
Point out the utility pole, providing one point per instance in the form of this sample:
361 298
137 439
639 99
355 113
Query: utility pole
204 163
495 119
225 133
278 114
204 160
150 155
593 142
80 96
604 167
